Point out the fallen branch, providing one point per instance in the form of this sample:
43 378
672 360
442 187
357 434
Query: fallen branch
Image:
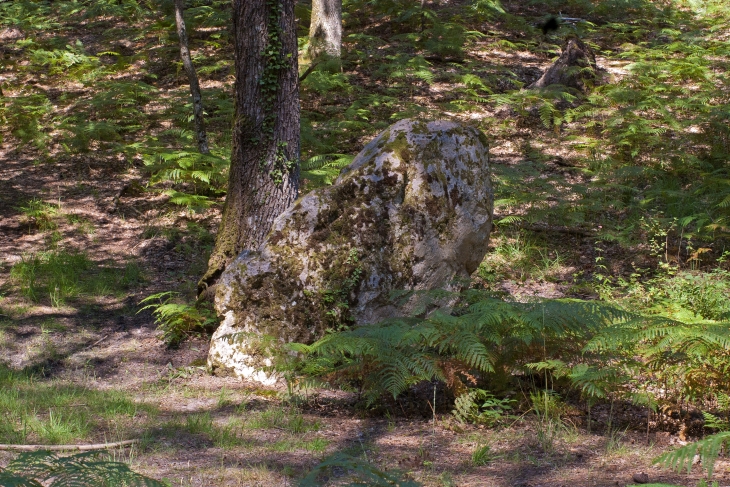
97 446
97 342
308 71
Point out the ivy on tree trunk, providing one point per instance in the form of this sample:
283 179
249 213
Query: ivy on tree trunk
264 175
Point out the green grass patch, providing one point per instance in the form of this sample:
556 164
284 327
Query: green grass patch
286 419
236 432
291 444
49 412
689 296
40 214
58 275
202 426
519 255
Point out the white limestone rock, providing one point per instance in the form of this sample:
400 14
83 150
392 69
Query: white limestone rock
412 212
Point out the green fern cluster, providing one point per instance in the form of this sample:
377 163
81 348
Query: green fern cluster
27 14
197 178
43 468
654 139
323 169
72 60
486 338
545 101
599 350
128 10
407 68
106 114
480 407
177 321
26 116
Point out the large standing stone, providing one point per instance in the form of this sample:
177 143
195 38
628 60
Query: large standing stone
413 211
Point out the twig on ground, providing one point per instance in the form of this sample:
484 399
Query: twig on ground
96 446
97 342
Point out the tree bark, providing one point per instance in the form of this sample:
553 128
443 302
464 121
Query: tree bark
200 133
264 175
325 31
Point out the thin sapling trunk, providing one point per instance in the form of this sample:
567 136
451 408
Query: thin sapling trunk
200 133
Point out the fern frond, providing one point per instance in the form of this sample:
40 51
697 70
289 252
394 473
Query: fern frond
192 201
466 407
510 219
707 448
81 469
547 113
336 161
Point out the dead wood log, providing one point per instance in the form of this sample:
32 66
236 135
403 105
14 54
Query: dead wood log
95 446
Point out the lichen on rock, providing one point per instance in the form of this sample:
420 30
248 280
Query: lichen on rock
413 211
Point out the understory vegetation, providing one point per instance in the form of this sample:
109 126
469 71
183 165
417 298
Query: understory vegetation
601 308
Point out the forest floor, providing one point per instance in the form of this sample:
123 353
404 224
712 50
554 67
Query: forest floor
197 429
82 243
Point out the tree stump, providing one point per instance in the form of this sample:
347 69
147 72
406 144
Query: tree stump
575 68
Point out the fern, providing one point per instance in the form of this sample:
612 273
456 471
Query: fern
715 423
198 177
686 357
36 469
322 170
544 101
216 13
449 345
708 450
324 82
483 337
193 202
479 406
409 68
447 39
126 9
73 60
177 321
334 161
28 15
26 116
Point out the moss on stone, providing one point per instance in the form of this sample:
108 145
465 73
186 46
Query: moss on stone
387 213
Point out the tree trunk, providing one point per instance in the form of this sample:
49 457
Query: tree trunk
325 32
200 133
264 175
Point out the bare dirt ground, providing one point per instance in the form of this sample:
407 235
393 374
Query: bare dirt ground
102 343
